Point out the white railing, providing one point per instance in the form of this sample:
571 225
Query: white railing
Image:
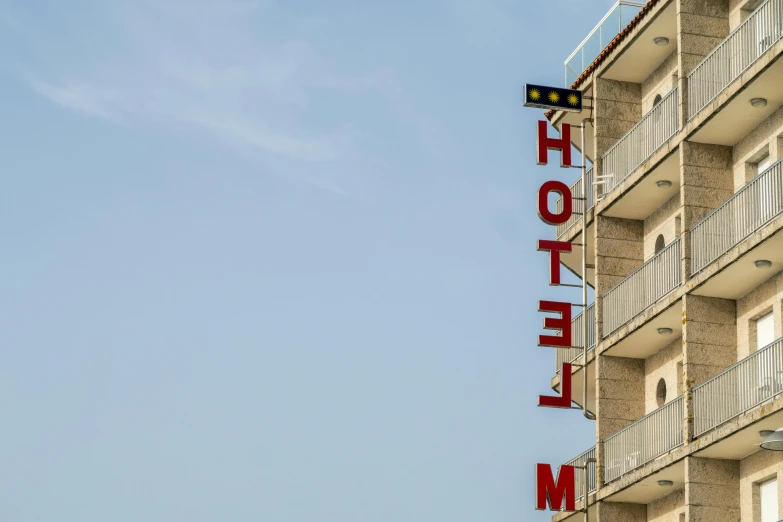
569 355
578 204
734 55
643 287
737 389
642 141
579 483
745 212
646 439
619 16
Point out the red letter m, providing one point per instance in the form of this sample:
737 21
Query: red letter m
551 491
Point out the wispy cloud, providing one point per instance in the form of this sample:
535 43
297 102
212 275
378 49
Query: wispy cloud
201 64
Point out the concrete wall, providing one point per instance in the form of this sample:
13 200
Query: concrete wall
706 181
618 107
619 251
664 221
662 80
757 468
668 508
701 26
662 365
709 337
620 394
760 301
712 490
764 139
617 512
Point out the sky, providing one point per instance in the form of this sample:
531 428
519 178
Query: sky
275 261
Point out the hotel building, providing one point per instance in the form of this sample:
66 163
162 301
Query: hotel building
684 239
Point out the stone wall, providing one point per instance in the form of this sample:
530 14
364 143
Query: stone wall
668 508
712 490
664 221
662 365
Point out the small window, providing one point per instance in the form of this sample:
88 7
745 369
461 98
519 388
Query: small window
765 331
660 393
769 501
763 164
660 242
657 100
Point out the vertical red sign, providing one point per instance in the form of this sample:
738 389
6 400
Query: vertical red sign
555 492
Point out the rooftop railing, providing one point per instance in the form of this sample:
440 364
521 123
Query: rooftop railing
739 388
642 141
745 212
578 204
619 16
643 287
569 355
645 440
734 55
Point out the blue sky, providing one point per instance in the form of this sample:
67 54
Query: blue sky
276 260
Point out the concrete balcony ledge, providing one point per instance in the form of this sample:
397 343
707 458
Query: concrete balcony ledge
636 177
726 441
733 274
555 382
696 126
641 320
573 232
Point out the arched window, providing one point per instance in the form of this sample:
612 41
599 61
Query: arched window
660 393
657 100
660 242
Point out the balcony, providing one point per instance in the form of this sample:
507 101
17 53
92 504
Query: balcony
744 66
736 54
645 440
578 204
569 355
610 25
750 382
580 474
641 142
643 287
745 212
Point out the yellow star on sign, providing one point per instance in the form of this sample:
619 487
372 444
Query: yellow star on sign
535 95
554 97
573 99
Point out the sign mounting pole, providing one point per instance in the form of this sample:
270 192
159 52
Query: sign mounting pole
585 412
586 486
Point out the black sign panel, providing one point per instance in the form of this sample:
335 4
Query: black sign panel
553 98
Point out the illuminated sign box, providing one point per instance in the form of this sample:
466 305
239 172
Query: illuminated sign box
544 97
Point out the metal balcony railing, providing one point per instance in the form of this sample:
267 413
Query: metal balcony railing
739 388
578 204
643 287
646 439
569 355
642 141
745 212
734 55
579 483
619 16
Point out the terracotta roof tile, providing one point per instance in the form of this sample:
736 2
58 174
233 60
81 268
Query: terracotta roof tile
610 47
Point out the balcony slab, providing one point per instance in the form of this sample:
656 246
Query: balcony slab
638 338
729 117
734 273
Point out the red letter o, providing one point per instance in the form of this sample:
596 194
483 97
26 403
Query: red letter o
548 217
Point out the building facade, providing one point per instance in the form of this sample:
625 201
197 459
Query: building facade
684 212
